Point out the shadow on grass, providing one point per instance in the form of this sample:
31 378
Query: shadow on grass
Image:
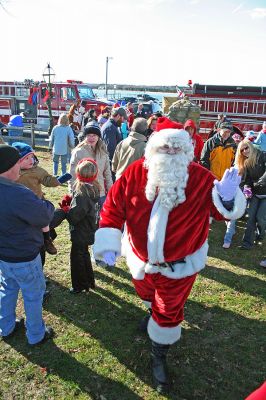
220 355
57 362
245 259
244 284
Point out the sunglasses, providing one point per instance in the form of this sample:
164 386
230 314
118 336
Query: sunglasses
244 149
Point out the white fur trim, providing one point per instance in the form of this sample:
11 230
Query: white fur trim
156 231
239 208
193 263
146 303
163 335
107 239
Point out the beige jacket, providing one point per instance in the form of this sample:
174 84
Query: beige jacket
35 177
104 172
129 150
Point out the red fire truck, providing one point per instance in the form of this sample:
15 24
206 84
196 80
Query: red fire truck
245 106
30 98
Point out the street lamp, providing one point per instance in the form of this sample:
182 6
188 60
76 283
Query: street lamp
106 75
48 76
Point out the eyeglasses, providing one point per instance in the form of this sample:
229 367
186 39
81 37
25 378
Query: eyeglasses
244 149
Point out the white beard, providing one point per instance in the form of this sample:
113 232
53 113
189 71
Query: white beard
167 174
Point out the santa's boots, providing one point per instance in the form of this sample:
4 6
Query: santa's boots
159 366
143 324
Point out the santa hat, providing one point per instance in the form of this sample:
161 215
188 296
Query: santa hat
166 123
169 133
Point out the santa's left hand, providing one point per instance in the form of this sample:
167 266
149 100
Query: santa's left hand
227 186
109 257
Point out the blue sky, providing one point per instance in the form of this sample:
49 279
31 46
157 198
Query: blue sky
156 42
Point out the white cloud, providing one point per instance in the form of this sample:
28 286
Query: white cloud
257 13
238 8
193 2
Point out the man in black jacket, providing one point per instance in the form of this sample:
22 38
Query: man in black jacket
22 216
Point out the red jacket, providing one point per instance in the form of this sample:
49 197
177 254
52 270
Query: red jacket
196 139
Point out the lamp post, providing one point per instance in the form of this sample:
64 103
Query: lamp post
48 75
106 75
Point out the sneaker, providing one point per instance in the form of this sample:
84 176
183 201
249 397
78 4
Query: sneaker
19 323
75 291
49 247
263 263
101 263
226 245
243 247
49 333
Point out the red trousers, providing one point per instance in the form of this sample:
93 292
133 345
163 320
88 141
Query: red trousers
167 297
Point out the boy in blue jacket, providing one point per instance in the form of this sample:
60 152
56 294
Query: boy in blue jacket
22 217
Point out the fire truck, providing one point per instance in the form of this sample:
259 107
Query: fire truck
30 98
245 106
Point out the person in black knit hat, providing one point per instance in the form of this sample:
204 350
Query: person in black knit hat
22 216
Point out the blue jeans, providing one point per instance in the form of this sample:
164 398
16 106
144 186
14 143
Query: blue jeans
230 230
256 223
27 276
56 158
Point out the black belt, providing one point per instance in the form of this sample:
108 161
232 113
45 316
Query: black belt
169 264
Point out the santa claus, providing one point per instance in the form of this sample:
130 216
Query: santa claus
165 201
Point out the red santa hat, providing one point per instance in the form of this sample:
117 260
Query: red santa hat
169 133
166 123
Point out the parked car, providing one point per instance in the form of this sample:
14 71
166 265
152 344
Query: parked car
149 108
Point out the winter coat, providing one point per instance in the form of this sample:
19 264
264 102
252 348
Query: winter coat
62 137
111 136
22 217
261 141
218 155
256 177
129 150
196 139
104 176
83 217
35 177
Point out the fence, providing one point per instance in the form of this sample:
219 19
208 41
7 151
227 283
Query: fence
20 137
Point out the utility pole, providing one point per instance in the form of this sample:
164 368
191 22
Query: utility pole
47 78
106 76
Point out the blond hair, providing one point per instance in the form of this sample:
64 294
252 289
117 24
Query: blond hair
242 162
63 120
86 169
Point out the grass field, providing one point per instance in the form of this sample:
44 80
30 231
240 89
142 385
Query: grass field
98 352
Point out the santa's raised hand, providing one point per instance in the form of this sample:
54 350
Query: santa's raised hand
228 185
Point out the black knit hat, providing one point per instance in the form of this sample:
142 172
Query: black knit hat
93 128
9 156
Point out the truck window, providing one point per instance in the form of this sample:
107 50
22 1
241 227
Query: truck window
85 92
67 93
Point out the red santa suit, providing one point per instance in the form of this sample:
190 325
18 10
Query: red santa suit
154 237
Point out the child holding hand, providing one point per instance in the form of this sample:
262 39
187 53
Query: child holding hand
83 218
33 177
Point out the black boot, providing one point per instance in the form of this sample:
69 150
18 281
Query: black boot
159 367
143 324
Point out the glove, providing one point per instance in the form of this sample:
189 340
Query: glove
109 257
228 185
247 191
65 203
64 178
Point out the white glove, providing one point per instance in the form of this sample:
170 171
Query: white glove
229 184
109 257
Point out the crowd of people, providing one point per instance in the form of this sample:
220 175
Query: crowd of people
144 189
